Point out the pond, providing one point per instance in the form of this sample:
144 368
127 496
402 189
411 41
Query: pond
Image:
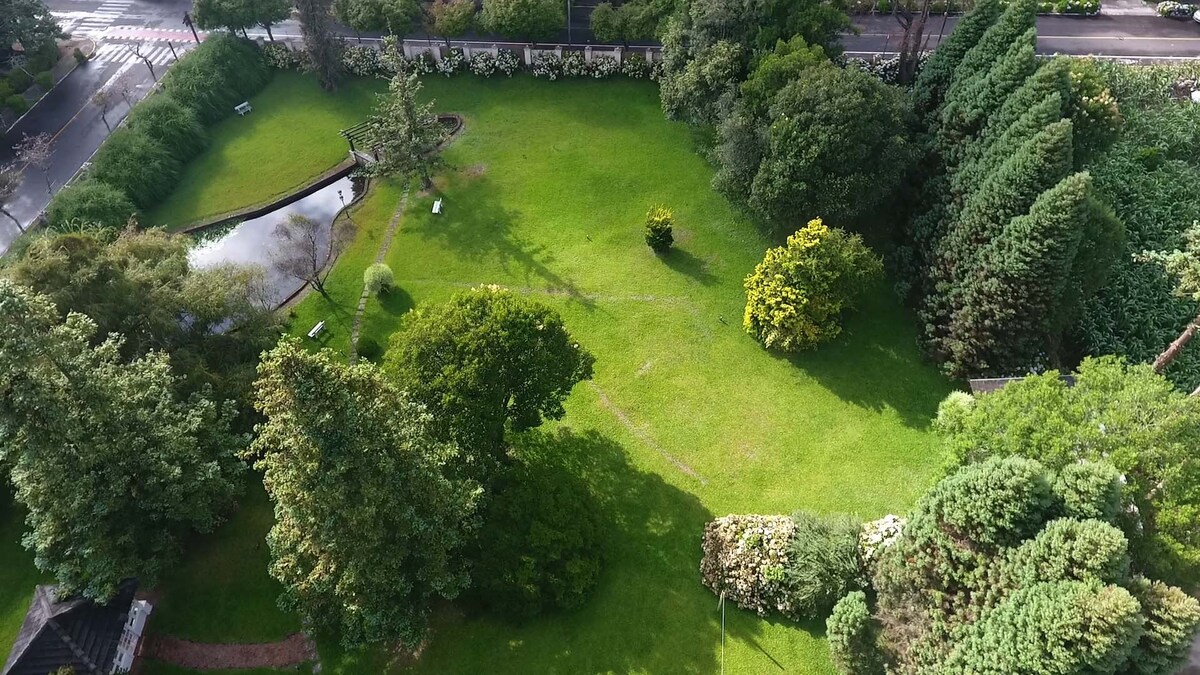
253 242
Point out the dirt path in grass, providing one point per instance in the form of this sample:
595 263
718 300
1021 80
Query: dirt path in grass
640 433
292 651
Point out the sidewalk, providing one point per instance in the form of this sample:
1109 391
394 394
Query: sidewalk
1127 8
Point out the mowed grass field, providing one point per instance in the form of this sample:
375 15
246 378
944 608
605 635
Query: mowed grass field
687 418
290 137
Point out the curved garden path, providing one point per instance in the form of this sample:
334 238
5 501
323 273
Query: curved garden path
293 650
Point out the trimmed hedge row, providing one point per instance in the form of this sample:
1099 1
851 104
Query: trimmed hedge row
139 165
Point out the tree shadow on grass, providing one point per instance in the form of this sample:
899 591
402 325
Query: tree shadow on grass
875 363
395 301
687 263
649 614
478 228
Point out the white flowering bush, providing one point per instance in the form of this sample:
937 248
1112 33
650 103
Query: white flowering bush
604 66
656 71
879 535
886 69
482 64
635 66
574 65
451 63
745 557
547 65
1177 10
507 62
362 61
280 56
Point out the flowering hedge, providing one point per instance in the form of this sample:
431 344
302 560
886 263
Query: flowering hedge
1177 10
877 536
745 558
370 62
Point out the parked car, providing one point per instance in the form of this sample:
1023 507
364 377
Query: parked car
1196 17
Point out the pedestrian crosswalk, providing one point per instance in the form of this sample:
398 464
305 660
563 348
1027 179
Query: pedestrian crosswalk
115 52
101 18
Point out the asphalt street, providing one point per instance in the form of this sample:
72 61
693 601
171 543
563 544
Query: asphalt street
1121 36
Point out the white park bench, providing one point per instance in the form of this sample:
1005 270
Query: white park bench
437 207
243 108
316 330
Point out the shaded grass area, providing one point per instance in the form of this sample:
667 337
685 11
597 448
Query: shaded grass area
289 138
18 576
688 417
221 592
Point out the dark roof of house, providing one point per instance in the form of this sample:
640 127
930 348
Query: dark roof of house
73 631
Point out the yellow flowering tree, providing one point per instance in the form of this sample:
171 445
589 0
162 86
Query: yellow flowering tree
796 295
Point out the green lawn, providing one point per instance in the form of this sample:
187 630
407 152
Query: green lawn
18 576
289 138
221 592
688 417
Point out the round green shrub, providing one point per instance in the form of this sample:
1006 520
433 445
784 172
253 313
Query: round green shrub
378 278
542 545
5 89
659 221
80 57
19 80
1089 490
138 165
45 80
822 563
92 202
16 103
796 295
174 126
852 637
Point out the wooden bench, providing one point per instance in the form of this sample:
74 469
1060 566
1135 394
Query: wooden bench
316 330
437 207
243 108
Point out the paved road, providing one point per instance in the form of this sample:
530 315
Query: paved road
1123 36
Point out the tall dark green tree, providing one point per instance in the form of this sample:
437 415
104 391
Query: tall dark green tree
112 465
396 17
27 23
532 20
368 530
322 46
1029 282
936 75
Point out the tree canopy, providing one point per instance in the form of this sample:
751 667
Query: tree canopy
486 361
112 464
368 529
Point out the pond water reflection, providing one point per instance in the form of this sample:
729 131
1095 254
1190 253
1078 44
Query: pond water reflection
252 242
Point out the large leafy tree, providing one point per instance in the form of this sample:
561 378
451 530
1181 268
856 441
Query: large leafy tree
368 528
531 20
405 132
1127 415
834 147
396 17
110 462
988 577
238 15
450 18
485 362
26 22
141 286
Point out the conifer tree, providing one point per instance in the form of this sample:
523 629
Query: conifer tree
1010 191
984 156
1013 294
936 75
968 107
1017 18
1053 76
